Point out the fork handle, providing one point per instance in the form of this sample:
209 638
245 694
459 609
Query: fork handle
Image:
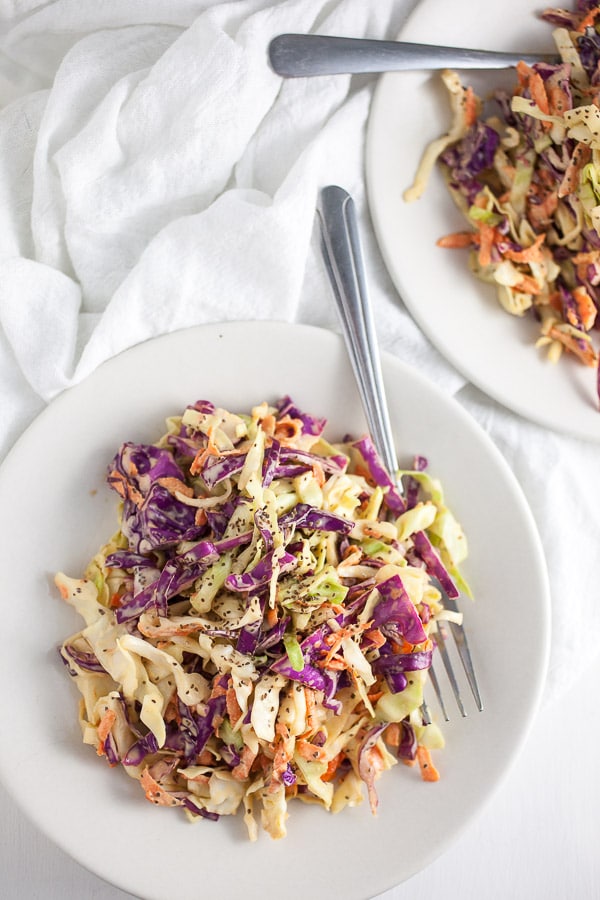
301 55
343 259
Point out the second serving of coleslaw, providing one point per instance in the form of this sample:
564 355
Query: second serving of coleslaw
524 169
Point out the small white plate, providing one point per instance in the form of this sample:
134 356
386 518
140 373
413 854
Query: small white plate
458 313
57 511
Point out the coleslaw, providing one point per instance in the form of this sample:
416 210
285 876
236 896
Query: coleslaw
525 172
261 625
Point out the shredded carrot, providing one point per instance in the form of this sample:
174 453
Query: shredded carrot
271 616
175 485
487 233
428 770
200 517
332 767
242 770
470 107
287 429
528 285
570 182
376 638
585 353
155 793
234 710
524 73
106 723
218 690
124 488
391 735
309 751
538 92
529 78
334 641
268 424
588 20
558 100
203 454
541 211
456 240
319 473
363 472
104 726
337 664
283 749
532 253
374 696
350 557
585 307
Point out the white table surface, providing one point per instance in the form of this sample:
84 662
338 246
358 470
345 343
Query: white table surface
536 838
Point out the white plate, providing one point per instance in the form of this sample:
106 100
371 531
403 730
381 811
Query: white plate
57 511
460 314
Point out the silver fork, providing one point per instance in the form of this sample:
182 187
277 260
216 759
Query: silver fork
301 55
340 244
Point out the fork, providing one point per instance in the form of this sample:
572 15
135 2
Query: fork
342 254
301 55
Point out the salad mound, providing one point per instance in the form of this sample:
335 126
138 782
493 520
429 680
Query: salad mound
261 625
526 176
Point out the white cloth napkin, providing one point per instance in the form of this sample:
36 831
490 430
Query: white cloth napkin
155 174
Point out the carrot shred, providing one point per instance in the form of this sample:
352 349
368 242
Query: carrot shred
428 770
376 638
106 723
309 751
558 100
242 770
391 735
528 285
234 710
487 234
332 767
588 20
470 106
203 454
456 240
155 793
524 72
585 307
586 354
532 253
